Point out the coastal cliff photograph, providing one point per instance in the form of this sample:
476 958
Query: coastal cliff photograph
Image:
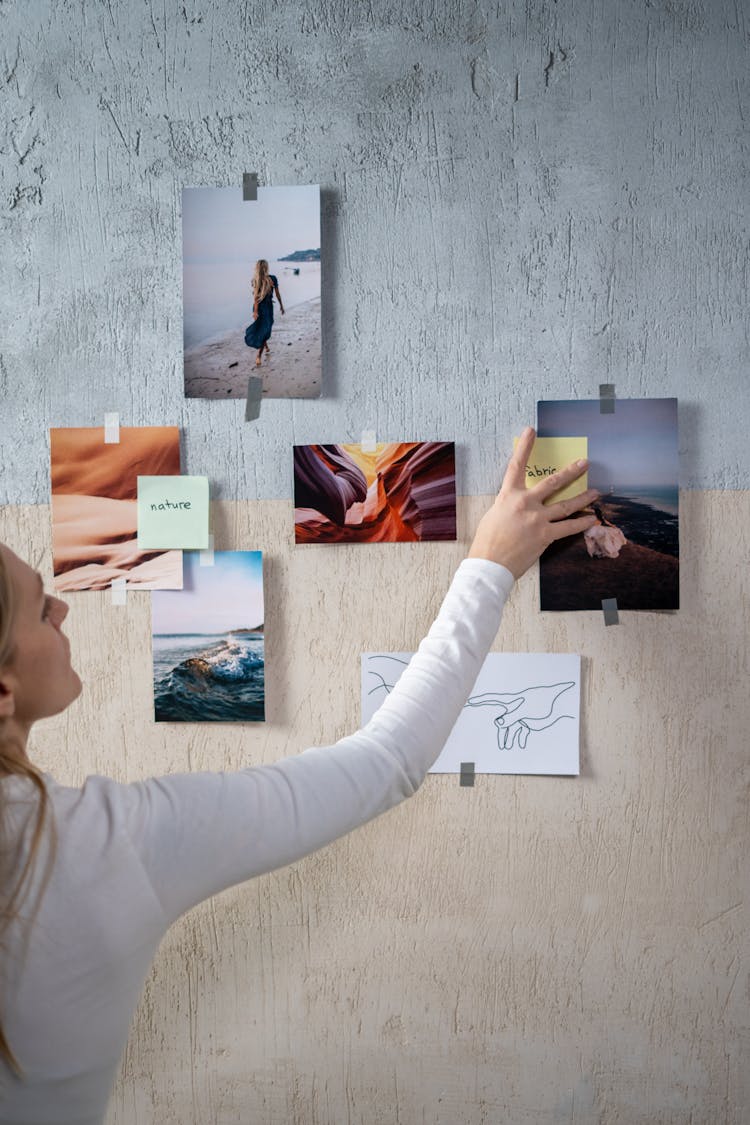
208 642
251 291
398 492
632 553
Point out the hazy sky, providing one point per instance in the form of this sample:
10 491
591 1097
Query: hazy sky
219 226
637 445
227 595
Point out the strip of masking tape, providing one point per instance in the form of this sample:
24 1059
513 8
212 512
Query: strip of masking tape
609 609
119 591
206 558
249 186
254 393
467 774
606 398
368 442
111 429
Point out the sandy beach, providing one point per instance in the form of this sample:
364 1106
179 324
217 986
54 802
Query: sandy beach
219 368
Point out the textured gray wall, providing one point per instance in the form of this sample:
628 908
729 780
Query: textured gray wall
521 200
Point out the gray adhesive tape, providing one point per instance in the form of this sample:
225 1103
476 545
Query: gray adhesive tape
609 608
467 773
606 398
249 186
254 392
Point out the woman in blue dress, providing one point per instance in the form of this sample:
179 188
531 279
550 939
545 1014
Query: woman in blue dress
264 287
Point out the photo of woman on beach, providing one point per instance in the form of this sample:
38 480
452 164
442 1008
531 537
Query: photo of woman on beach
632 552
265 285
238 258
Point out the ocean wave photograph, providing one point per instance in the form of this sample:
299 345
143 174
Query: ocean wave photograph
632 553
208 642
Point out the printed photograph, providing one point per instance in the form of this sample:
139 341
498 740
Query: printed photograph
251 291
632 552
208 642
401 492
95 507
522 716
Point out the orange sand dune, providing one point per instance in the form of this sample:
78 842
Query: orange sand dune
84 465
94 541
94 508
159 572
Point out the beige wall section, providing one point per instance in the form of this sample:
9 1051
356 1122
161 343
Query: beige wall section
532 951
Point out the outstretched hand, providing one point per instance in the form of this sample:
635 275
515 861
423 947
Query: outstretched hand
519 525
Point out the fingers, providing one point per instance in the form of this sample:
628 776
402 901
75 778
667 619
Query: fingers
552 484
515 474
571 527
564 508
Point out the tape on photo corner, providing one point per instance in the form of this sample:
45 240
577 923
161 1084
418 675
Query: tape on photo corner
606 398
609 609
466 776
119 591
254 393
368 441
206 558
249 186
111 429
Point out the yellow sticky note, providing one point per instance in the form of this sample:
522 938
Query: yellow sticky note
172 512
548 454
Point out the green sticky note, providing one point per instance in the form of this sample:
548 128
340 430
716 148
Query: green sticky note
172 513
548 454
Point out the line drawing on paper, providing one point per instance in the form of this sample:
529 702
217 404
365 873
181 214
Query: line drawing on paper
516 715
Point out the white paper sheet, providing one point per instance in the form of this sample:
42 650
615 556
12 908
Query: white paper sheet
522 716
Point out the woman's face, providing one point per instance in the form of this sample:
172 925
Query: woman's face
38 680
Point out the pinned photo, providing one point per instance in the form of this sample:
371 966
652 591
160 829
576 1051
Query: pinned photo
251 291
631 554
95 507
388 493
208 642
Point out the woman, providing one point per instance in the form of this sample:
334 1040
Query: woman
603 540
264 287
92 877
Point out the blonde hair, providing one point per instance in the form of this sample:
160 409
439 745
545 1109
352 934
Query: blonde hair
13 761
262 284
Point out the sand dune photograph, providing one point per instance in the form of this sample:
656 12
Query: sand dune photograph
94 507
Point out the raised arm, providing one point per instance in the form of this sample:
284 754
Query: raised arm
197 834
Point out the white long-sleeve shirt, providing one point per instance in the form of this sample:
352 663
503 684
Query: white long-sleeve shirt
130 859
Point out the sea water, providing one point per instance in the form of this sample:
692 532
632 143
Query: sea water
663 497
647 515
204 678
219 297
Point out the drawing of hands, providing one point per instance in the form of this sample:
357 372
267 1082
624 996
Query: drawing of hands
529 710
518 729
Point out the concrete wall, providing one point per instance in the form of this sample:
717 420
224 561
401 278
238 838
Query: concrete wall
520 201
